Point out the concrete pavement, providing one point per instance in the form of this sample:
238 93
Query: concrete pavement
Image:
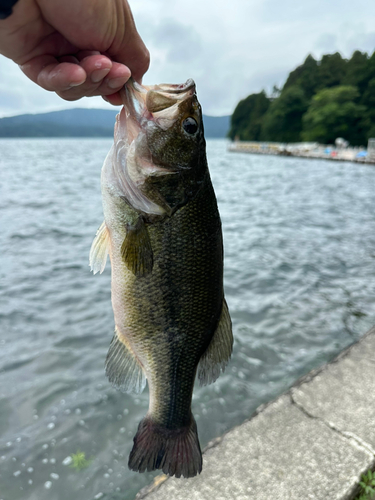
313 442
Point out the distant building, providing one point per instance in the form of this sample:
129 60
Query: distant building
341 143
371 150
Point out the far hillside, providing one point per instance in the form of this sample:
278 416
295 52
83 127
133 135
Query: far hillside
82 122
320 101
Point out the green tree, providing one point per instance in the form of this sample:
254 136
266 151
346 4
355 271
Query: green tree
356 71
332 70
334 112
368 100
305 76
283 121
368 95
366 74
349 113
247 118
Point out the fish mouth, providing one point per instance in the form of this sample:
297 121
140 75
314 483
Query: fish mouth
145 107
156 103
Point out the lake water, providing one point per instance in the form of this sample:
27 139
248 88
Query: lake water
299 241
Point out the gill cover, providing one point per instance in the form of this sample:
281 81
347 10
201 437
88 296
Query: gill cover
155 162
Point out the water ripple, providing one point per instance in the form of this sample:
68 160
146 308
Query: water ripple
299 279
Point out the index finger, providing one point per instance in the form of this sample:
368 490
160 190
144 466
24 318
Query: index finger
53 75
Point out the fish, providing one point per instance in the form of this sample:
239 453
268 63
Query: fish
163 234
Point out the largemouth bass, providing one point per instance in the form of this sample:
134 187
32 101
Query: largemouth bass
162 231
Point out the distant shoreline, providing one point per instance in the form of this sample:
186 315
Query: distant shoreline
305 150
84 122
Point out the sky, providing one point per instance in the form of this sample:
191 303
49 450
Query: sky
231 48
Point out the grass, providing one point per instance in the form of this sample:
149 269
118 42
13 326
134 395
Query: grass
79 461
367 486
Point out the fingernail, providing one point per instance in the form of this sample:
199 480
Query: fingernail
116 83
75 84
99 74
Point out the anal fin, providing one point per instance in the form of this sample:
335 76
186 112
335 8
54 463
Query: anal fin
99 249
122 367
217 354
136 249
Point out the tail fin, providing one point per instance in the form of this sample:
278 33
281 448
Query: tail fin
177 452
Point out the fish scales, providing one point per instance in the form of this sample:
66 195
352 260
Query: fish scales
167 272
185 299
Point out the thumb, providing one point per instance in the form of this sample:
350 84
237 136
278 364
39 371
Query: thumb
134 55
131 50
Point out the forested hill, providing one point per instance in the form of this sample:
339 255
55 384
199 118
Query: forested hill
320 101
80 122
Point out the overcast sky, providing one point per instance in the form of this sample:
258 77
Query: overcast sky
231 48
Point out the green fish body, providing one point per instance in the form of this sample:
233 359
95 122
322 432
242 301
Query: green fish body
162 231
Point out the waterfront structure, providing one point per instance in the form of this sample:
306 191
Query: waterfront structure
308 150
371 150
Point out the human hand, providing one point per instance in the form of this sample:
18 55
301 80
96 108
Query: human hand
76 48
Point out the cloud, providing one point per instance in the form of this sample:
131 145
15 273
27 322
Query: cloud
230 48
327 42
182 43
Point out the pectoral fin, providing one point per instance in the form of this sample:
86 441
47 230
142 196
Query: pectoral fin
217 354
99 249
122 367
136 249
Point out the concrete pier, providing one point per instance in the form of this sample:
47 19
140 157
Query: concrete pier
305 150
313 442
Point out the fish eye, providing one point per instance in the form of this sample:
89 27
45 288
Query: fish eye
190 125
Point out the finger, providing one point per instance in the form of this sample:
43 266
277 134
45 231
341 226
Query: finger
135 55
111 30
82 54
68 59
114 99
97 67
130 49
114 80
50 74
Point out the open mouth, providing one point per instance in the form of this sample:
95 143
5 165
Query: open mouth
145 106
155 102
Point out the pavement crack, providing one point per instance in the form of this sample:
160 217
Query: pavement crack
352 438
303 410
